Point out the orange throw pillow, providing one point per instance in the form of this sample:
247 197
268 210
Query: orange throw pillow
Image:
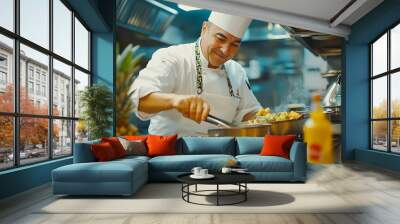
116 145
277 145
103 152
135 137
161 145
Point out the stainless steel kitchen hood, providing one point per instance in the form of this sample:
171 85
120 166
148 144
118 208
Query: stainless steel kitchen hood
145 16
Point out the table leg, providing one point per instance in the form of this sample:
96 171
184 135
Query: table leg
245 193
188 190
217 194
196 188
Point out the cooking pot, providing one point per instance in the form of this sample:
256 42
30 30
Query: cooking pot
294 127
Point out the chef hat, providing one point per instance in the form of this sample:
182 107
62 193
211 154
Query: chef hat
235 25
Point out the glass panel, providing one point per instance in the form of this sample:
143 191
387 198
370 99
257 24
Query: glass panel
395 47
33 139
81 131
379 135
62 138
6 74
6 142
7 14
34 97
395 136
35 21
395 94
379 55
62 29
62 89
81 81
81 45
379 97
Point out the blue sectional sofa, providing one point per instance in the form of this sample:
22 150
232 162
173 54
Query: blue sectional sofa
125 176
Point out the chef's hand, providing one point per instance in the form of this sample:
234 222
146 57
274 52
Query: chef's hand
192 107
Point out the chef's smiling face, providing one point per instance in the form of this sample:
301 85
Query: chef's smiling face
218 46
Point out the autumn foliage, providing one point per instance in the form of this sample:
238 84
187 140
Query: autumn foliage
380 127
33 130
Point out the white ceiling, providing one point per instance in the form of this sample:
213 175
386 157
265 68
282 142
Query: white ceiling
319 9
315 15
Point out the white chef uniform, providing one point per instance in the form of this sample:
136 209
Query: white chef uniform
173 70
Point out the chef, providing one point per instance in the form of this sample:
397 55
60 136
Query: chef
182 84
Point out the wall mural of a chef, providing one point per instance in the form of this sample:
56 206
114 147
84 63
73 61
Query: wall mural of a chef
183 84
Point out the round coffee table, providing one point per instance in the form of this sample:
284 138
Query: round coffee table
238 179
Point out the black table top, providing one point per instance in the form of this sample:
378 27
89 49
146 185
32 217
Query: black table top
220 178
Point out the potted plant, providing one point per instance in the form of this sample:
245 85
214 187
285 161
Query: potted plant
96 104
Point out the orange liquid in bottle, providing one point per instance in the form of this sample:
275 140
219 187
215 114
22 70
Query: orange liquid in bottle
318 135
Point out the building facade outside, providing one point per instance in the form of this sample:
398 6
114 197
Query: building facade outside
34 82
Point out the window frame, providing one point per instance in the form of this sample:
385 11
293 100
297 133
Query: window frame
388 74
16 114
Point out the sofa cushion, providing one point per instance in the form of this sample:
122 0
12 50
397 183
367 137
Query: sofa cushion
134 147
277 145
257 163
249 145
83 153
159 145
103 152
132 158
207 145
185 163
116 145
112 171
135 137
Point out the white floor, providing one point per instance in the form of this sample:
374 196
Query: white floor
378 190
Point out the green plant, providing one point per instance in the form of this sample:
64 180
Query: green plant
128 65
96 104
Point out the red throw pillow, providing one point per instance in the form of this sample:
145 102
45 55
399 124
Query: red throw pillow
277 145
161 145
135 137
116 145
103 151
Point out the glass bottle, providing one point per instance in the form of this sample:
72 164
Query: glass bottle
318 134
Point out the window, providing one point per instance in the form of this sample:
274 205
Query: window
385 94
3 61
43 90
62 130
38 89
3 71
63 75
30 87
55 95
7 142
6 89
62 29
81 45
34 21
7 14
37 74
30 72
54 126
3 78
81 81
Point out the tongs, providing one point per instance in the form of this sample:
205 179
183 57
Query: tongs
218 121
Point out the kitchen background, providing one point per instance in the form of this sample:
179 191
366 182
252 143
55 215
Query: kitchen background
284 64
